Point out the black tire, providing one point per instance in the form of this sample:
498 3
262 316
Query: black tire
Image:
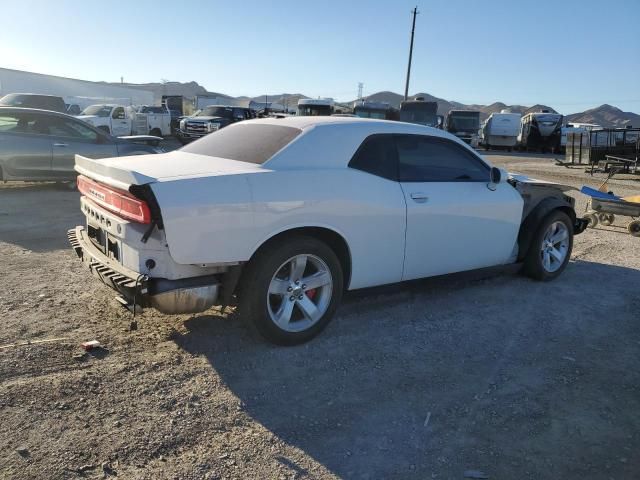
634 228
533 263
155 132
105 129
254 298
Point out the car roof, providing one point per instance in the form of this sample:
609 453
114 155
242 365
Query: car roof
35 110
34 95
330 142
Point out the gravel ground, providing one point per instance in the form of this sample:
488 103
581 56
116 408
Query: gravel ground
483 372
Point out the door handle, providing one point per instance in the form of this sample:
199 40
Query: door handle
419 197
60 144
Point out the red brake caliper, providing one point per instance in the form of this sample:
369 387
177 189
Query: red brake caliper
311 293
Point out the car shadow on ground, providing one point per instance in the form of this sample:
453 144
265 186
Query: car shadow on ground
497 373
36 217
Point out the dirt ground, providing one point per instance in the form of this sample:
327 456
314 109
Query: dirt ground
477 373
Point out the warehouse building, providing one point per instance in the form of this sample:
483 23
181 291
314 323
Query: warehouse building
71 89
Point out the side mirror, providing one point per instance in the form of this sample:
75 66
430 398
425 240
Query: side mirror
495 175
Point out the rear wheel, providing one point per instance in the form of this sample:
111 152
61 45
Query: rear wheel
551 247
290 290
156 132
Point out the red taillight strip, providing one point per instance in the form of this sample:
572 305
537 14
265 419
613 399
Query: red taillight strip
117 201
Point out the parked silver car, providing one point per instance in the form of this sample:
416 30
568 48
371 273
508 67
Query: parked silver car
40 145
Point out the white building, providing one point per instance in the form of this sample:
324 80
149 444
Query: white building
18 81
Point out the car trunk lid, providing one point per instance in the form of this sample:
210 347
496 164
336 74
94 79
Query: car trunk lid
122 172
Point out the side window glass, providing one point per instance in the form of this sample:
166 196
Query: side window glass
430 159
60 127
377 156
13 124
118 113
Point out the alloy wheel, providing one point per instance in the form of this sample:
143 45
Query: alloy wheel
555 246
299 293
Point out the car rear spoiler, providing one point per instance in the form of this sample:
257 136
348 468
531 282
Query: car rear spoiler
110 174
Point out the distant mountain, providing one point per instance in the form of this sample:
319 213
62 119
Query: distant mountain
444 106
607 116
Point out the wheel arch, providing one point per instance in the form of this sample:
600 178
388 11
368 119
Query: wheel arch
536 216
335 240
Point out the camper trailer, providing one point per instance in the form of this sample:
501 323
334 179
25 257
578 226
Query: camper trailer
379 110
465 125
500 130
420 112
315 107
540 132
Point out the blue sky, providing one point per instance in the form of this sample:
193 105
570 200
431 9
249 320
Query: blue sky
571 55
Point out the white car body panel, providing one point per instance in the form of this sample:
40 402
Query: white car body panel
367 211
459 226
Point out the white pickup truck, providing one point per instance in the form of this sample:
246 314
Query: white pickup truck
113 119
152 120
283 215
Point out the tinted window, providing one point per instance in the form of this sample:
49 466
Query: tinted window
377 156
429 159
62 127
213 111
151 109
244 142
44 102
23 123
118 113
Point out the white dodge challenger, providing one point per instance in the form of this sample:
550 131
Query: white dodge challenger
280 216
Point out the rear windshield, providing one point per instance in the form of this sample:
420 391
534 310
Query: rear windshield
253 143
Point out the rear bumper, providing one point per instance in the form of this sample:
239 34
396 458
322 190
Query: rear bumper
190 295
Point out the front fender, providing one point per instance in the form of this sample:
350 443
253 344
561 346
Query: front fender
537 215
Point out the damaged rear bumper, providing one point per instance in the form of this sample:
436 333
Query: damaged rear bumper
189 295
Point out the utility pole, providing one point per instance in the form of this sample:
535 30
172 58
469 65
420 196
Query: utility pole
413 29
360 85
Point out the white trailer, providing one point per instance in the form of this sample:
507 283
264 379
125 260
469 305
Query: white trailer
500 130
575 127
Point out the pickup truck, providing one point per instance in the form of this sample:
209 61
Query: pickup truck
34 100
152 120
210 119
282 215
113 119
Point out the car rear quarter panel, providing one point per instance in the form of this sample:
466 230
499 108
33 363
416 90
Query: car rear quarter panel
208 219
367 211
226 219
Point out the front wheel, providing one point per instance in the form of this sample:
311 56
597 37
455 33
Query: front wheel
551 247
290 290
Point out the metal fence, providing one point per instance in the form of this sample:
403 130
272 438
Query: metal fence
593 147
